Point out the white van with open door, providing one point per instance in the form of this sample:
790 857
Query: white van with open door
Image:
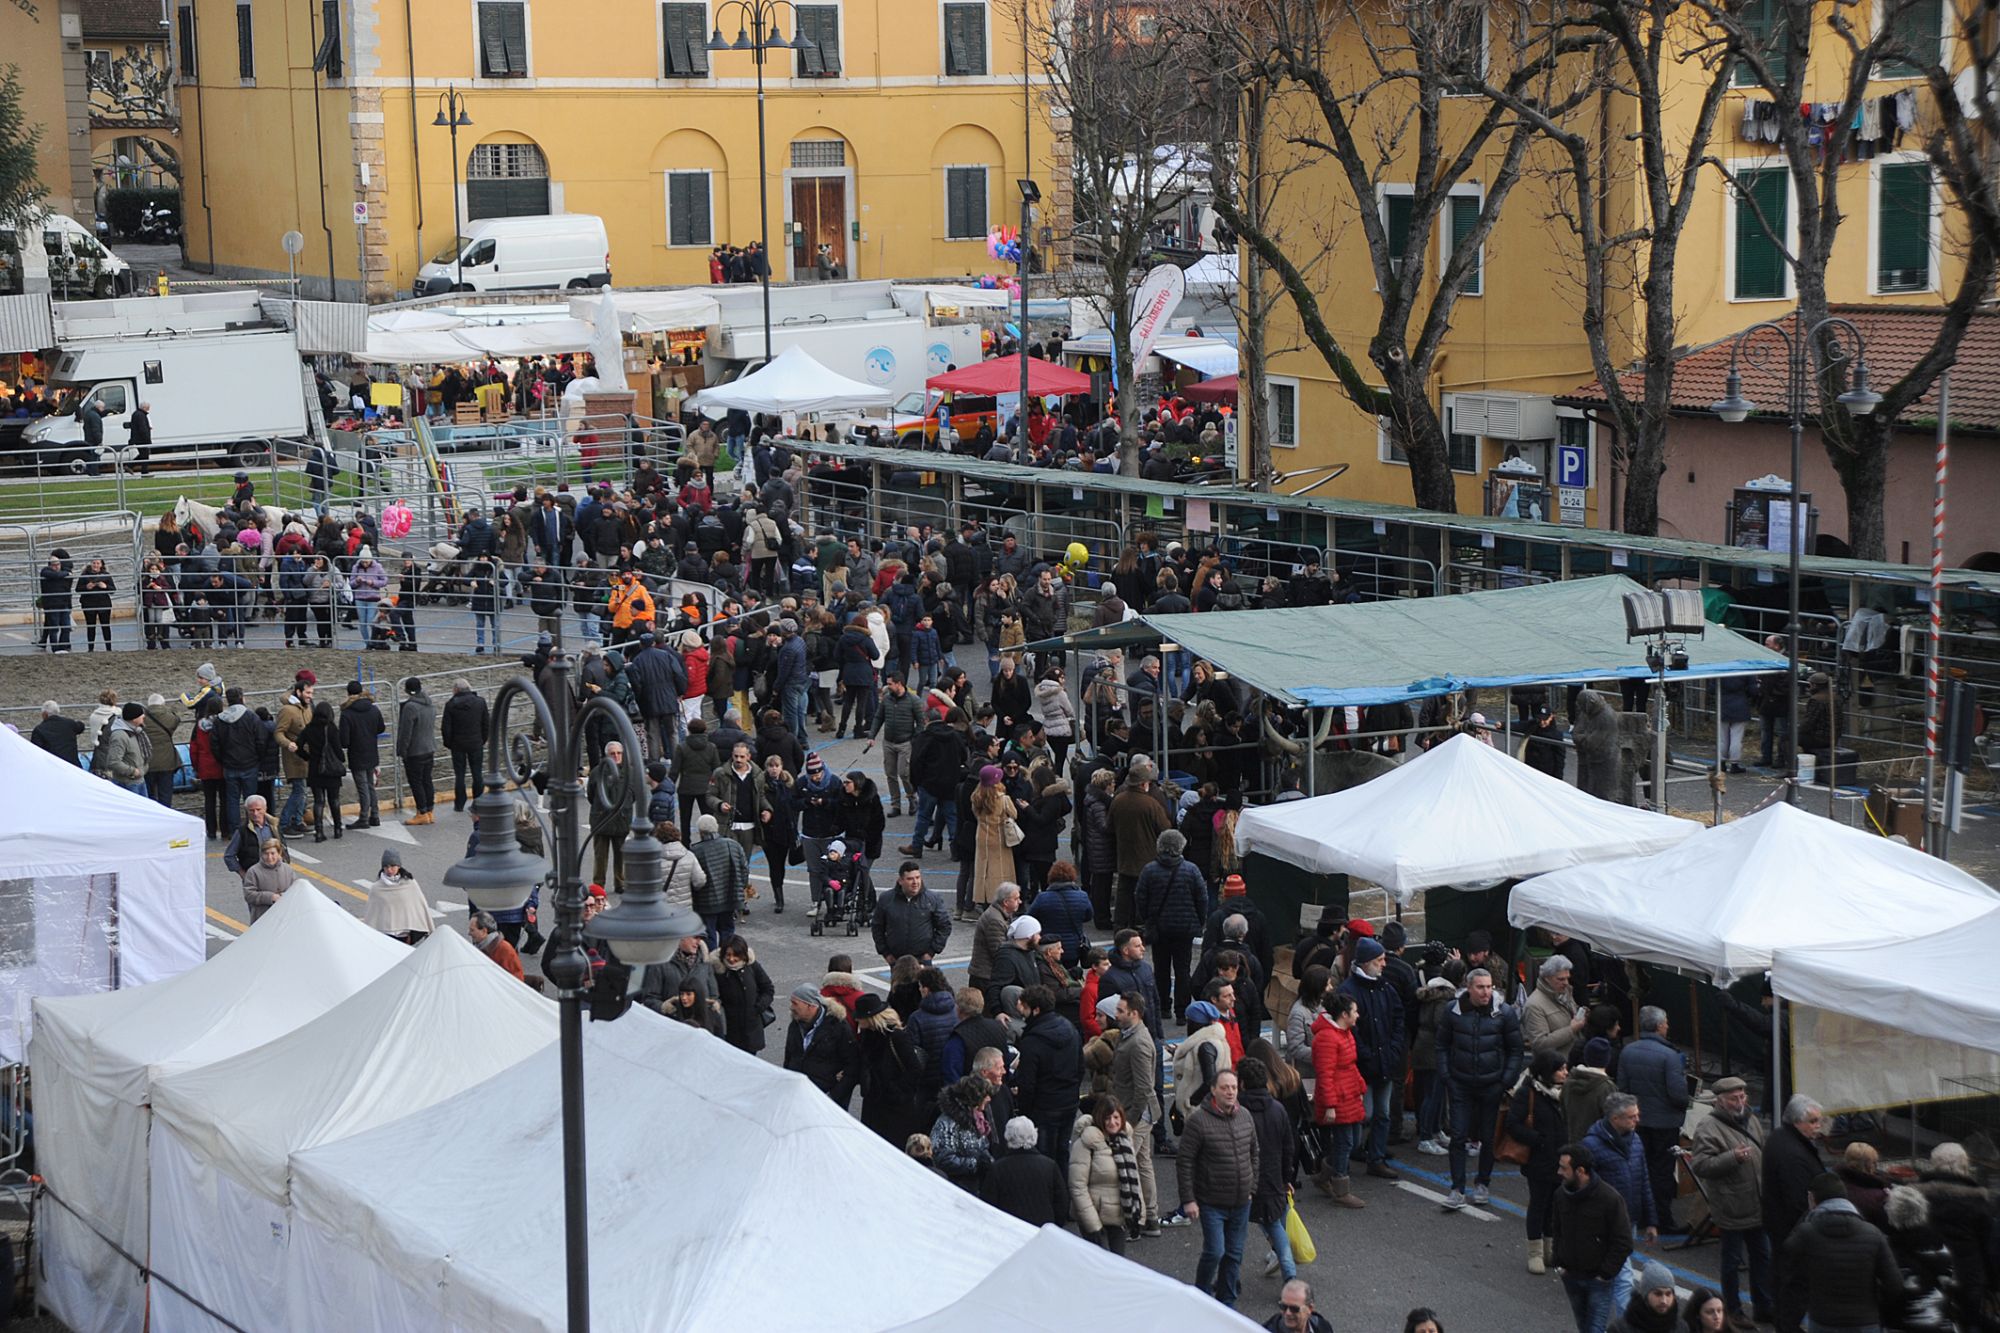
514 254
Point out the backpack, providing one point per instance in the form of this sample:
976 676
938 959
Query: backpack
1229 598
98 755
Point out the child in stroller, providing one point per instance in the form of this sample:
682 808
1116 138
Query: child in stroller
844 880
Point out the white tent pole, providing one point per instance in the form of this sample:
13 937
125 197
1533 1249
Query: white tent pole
1777 1055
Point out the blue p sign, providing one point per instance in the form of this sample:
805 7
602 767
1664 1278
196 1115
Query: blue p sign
1572 465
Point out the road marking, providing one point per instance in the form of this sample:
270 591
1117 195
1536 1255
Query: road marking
449 906
221 918
394 833
1469 1210
216 932
332 883
298 855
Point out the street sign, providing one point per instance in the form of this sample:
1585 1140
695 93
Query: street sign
1569 506
1229 442
360 211
1572 465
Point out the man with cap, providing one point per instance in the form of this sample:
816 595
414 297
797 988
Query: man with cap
1380 1047
820 1045
1235 901
1727 1155
1654 1306
723 860
1171 899
126 751
416 748
816 797
293 715
910 920
659 678
1014 965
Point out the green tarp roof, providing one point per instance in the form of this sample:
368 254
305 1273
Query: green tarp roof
1408 648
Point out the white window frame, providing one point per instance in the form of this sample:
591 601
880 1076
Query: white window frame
1477 191
1878 16
1907 159
1384 454
944 53
944 184
527 45
1383 191
667 193
1272 384
1485 50
1730 204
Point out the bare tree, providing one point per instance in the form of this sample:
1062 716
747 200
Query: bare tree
1117 87
1964 142
135 91
1816 151
1374 83
1626 259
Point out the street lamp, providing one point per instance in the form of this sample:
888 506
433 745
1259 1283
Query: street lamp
760 15
1031 194
644 928
1805 349
1666 619
451 113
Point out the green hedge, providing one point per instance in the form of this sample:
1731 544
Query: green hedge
122 207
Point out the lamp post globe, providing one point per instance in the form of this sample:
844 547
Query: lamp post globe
498 876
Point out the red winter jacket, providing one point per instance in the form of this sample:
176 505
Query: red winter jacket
696 661
1337 1081
206 766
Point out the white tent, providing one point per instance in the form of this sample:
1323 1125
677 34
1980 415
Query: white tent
1724 900
99 887
710 1171
1461 813
1059 1268
440 1021
1940 986
95 1058
792 382
651 311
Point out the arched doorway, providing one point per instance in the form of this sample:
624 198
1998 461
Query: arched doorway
506 180
819 206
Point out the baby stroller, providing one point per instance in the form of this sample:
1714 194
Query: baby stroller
845 876
444 574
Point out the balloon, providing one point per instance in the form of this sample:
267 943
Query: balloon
1013 331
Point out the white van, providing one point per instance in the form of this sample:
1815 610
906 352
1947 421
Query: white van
510 254
73 264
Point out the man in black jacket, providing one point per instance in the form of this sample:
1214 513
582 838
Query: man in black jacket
57 734
360 738
1048 1073
1171 898
1479 1056
1791 1164
821 1046
1838 1268
464 729
1593 1237
910 920
937 765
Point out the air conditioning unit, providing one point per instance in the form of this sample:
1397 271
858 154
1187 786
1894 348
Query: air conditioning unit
1505 416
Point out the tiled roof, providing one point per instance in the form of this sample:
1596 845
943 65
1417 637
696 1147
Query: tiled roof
122 18
1895 338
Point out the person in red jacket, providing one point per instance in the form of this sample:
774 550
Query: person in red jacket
839 984
1095 964
1337 1094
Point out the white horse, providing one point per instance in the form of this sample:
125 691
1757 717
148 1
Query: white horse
196 514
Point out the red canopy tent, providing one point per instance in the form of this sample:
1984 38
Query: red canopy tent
1221 389
1003 375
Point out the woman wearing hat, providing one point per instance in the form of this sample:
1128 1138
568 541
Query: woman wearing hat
396 904
993 858
892 1094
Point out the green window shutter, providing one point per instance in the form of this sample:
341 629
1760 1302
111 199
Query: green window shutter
687 208
503 39
965 202
820 25
1397 211
1764 28
1464 221
1916 27
246 46
185 27
327 58
965 39
684 28
1761 223
1903 228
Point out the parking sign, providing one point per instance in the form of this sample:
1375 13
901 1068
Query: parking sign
1572 465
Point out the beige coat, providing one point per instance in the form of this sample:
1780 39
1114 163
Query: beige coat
292 719
1545 1020
1093 1179
993 861
397 908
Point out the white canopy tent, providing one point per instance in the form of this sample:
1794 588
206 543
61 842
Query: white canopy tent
651 311
100 888
1725 900
440 1021
764 1170
1940 986
791 382
1124 1297
95 1059
1461 813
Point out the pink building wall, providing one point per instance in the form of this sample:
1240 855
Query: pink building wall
1708 459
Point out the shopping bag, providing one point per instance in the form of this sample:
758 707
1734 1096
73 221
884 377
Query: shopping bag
1295 1232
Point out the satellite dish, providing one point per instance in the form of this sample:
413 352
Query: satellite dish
294 243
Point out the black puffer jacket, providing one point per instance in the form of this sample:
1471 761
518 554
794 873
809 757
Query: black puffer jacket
745 996
1049 1071
1172 897
1840 1270
1479 1049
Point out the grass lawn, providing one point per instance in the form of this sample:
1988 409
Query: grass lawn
37 499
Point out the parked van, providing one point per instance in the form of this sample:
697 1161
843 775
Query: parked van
73 264
512 254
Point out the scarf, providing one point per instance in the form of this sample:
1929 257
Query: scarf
1127 1161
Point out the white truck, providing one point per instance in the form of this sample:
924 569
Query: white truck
221 382
896 352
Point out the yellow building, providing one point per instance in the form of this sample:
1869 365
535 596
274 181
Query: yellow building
43 40
134 120
1516 338
894 138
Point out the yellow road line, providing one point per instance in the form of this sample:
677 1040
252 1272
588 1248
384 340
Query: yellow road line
230 921
331 883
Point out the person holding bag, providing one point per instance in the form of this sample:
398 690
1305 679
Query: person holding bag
1531 1134
1337 1094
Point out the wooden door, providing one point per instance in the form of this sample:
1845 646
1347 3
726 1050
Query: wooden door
819 210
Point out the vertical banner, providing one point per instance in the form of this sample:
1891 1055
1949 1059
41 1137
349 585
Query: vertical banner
1159 296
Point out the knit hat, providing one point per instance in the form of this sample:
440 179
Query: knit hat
1368 950
1653 1277
133 711
206 671
1201 1013
413 686
813 761
354 687
1357 926
597 891
305 677
990 775
706 824
1107 1008
1394 936
392 857
809 993
1023 928
656 771
1597 1052
1234 887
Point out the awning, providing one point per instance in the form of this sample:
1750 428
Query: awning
1410 648
1210 356
652 312
1221 389
792 381
1003 375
